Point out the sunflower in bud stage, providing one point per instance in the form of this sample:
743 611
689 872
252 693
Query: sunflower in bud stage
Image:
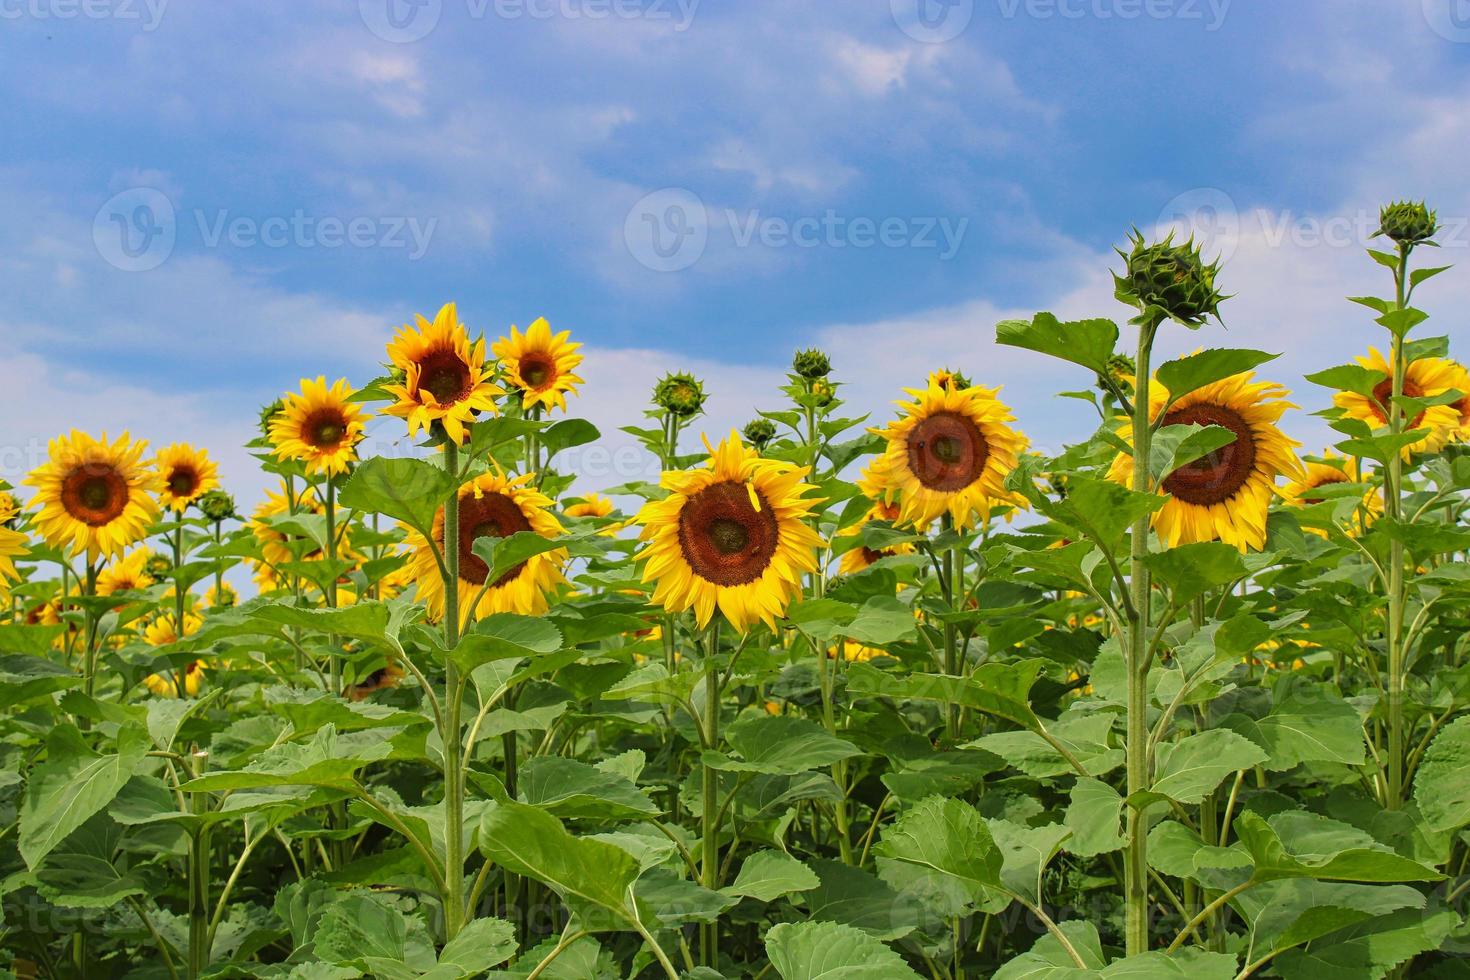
681 395
949 453
731 536
760 433
1121 375
186 473
268 415
540 364
811 364
491 506
320 427
440 376
95 496
1408 223
1169 277
1426 377
1226 495
218 506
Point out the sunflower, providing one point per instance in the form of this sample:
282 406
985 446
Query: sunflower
222 596
1333 469
491 506
320 426
1225 495
444 375
126 574
949 453
12 546
1423 378
162 630
390 675
854 652
186 473
731 535
1461 383
860 557
540 364
590 505
166 685
274 543
94 495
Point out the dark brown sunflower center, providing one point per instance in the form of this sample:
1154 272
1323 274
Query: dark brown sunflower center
324 429
724 538
537 370
1383 396
947 452
1325 481
445 376
95 494
494 515
183 481
1217 476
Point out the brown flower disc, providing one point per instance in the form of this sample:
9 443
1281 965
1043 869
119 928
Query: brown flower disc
947 452
95 494
494 515
443 374
724 539
1216 477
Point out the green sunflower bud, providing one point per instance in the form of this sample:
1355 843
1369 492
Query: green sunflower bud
1173 278
759 433
1121 372
681 394
158 567
268 413
217 505
824 392
1407 223
811 364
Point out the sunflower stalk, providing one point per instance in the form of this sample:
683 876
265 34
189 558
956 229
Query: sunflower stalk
709 865
1394 507
449 735
199 917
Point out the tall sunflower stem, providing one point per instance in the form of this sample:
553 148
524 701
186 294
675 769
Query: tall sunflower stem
951 632
450 735
181 677
1135 885
826 673
1397 593
199 875
709 865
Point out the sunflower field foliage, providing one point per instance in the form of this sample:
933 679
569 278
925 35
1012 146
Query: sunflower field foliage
833 697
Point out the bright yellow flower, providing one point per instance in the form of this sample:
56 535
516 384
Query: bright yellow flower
222 596
166 685
94 495
591 505
12 545
1226 495
1299 493
859 558
540 364
491 506
731 535
949 453
390 675
320 426
1424 378
186 474
126 574
445 379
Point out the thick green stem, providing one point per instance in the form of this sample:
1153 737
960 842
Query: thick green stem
826 675
450 735
709 865
951 631
1393 505
1135 884
199 875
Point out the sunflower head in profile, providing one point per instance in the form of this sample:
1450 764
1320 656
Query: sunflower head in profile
166 685
445 379
540 364
861 557
731 535
1225 495
1426 377
222 596
319 426
949 453
12 542
491 506
163 630
94 495
946 378
390 675
1306 490
126 574
1461 383
591 505
185 474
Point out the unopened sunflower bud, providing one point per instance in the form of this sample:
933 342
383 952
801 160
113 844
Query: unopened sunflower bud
680 394
759 433
811 364
1407 223
268 414
824 392
158 567
1170 277
217 505
1121 372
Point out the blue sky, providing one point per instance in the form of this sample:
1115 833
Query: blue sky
839 172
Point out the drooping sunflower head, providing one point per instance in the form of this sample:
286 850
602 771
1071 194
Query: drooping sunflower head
126 574
186 474
949 452
1426 377
1225 495
1307 490
731 535
445 378
94 495
540 364
862 557
491 506
591 505
319 426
